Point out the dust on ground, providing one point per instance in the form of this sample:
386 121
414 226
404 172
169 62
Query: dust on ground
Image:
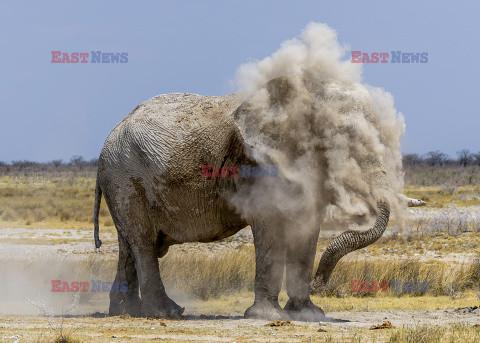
225 328
202 323
71 244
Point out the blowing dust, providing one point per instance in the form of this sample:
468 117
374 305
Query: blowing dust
331 137
27 285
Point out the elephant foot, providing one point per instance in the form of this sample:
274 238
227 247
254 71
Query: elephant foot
168 309
266 310
126 306
133 310
304 310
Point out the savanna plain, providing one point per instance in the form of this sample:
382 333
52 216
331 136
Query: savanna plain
46 233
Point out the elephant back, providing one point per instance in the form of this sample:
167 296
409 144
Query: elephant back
171 136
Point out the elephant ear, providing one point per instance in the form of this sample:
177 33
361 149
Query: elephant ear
266 122
280 90
263 118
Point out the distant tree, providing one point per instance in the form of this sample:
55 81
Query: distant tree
93 162
56 163
23 164
25 167
464 157
476 158
412 159
77 161
19 163
436 157
450 161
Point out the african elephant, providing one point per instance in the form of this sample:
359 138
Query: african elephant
150 175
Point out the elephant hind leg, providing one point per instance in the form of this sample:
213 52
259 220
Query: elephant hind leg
155 302
124 297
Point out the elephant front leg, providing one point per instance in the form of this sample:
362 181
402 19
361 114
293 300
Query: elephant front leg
270 263
299 266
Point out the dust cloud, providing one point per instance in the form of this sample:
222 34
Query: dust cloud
330 136
27 285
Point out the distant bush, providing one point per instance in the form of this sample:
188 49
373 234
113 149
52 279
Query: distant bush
449 175
430 169
77 167
438 169
439 159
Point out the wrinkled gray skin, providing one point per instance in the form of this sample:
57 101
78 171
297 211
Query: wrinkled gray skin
150 174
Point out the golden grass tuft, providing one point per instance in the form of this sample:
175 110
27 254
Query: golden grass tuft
432 334
33 201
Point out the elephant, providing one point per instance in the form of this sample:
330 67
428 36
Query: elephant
149 172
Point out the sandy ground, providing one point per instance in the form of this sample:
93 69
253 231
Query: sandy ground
75 244
200 324
339 325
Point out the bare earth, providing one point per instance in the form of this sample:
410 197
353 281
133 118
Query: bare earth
222 328
20 321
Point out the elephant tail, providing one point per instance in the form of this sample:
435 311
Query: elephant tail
96 211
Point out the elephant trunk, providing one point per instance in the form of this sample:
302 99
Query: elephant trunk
347 242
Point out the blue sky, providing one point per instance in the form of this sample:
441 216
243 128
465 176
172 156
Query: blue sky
50 111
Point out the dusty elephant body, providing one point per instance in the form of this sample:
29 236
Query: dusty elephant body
150 174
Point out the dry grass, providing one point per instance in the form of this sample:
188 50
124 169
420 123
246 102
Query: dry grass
59 338
142 331
237 303
55 202
205 276
68 202
441 196
208 275
437 176
132 329
62 197
40 202
454 333
441 277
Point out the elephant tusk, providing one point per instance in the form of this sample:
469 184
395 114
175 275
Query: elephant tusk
415 202
411 202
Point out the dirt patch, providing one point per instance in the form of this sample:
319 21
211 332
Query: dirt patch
228 329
